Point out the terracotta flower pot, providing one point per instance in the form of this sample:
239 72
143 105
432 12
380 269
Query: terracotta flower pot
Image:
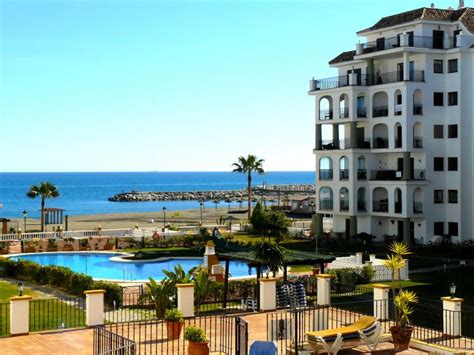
401 337
174 329
315 270
198 348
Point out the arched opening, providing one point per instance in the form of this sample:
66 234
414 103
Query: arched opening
325 108
344 168
325 198
417 135
417 102
398 135
398 200
361 200
418 200
361 106
361 168
380 199
398 100
325 168
344 199
380 136
380 104
344 106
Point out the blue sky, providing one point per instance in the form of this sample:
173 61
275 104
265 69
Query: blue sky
142 85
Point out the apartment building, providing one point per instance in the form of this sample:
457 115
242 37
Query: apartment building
394 150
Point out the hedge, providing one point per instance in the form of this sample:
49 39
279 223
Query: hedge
72 282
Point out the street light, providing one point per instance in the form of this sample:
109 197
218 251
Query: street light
452 289
25 214
20 288
164 217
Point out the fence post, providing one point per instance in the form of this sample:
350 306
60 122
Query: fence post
186 299
94 307
324 301
381 296
20 315
452 316
268 294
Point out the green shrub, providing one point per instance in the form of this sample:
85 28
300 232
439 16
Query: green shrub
174 315
113 292
367 273
195 334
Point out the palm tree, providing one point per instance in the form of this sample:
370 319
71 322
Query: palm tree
44 190
269 254
247 166
202 288
179 276
160 294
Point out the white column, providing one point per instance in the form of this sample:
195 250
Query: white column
358 258
312 85
452 316
20 315
406 66
404 39
324 301
381 301
186 299
352 79
404 272
94 307
268 294
359 48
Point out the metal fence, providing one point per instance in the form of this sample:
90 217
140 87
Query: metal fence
57 313
107 342
4 318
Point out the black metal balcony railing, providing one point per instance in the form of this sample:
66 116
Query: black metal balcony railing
417 109
380 111
380 206
413 41
328 144
361 112
417 207
398 207
331 83
380 143
417 142
388 175
398 143
397 76
325 174
326 205
361 174
343 174
344 112
363 144
343 205
361 206
325 115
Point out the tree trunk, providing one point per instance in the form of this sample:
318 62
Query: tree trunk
42 214
249 193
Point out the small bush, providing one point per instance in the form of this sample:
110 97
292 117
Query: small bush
367 273
174 315
195 334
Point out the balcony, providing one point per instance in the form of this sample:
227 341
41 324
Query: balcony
325 174
363 144
361 206
361 112
366 80
344 174
398 143
380 143
380 206
326 205
398 207
417 207
380 111
418 109
325 115
344 206
387 175
417 142
344 112
383 44
361 174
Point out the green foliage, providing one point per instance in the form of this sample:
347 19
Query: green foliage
174 315
52 244
344 280
367 273
179 276
202 288
269 254
160 294
403 303
195 334
44 190
258 220
272 223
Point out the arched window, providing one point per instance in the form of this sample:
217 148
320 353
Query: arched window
343 106
325 198
344 168
325 108
380 199
398 135
417 135
344 199
398 200
417 102
361 168
380 104
361 106
325 168
380 136
398 99
361 200
418 200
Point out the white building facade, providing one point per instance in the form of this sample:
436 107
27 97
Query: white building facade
394 150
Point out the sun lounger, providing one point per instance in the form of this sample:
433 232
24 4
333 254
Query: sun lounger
365 331
263 348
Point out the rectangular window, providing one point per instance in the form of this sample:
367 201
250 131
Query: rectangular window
439 228
452 66
438 164
452 164
438 66
438 98
453 229
452 98
438 131
452 131
453 196
438 196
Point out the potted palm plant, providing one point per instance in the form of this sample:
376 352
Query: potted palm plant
174 323
198 343
402 330
159 294
52 246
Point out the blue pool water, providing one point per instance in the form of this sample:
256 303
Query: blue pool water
100 266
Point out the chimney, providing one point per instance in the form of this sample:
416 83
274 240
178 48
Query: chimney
461 4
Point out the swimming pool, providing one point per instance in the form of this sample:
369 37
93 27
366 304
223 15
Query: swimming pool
99 265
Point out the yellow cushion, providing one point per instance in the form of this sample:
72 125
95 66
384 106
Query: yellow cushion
363 323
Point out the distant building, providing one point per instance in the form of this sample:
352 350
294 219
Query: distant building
303 206
394 147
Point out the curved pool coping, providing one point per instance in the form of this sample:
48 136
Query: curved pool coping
119 259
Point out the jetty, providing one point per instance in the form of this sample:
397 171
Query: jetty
263 191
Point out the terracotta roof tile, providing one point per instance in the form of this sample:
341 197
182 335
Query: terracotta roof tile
343 57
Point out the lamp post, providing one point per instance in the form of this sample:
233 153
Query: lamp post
20 288
25 214
452 289
201 204
164 217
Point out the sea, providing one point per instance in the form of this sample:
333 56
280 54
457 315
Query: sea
87 193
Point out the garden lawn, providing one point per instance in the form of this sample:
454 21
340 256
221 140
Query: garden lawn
8 290
404 284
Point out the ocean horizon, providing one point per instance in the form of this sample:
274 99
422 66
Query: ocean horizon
84 193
